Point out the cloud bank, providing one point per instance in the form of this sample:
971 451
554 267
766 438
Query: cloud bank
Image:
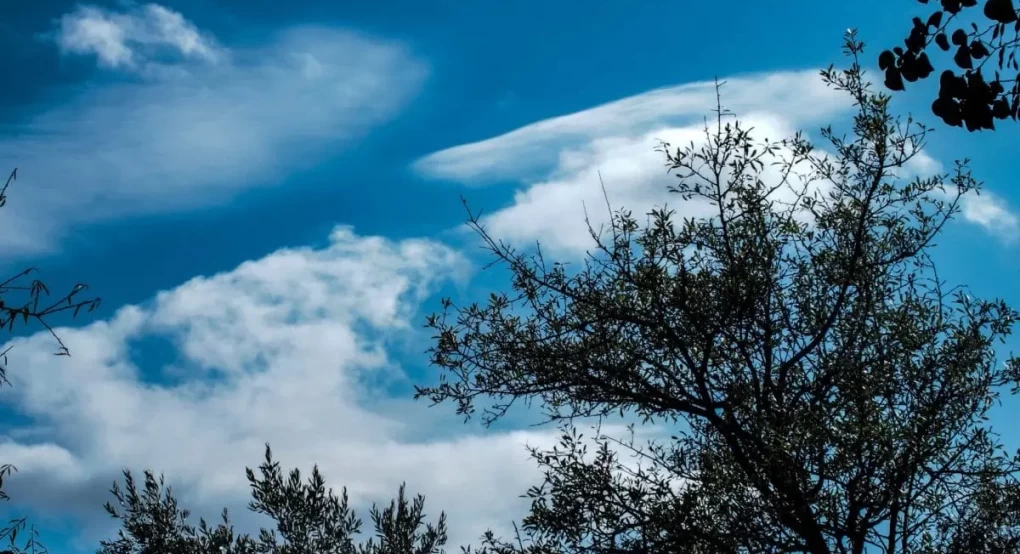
289 349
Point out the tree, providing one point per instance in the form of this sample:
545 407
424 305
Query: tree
824 391
979 95
32 306
310 519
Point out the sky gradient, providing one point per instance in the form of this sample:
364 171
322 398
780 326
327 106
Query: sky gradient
266 196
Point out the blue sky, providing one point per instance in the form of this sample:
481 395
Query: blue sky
266 195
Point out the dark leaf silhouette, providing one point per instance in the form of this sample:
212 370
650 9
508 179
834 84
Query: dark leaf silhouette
981 40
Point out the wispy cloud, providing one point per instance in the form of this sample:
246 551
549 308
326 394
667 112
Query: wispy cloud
563 162
288 349
131 39
800 96
193 133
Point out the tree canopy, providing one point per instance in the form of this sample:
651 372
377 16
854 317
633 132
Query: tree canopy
308 517
816 386
980 86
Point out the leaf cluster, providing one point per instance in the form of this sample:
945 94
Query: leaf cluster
986 88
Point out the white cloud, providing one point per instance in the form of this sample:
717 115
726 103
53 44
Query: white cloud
285 349
192 133
564 162
987 210
635 178
128 40
560 160
921 165
799 96
991 212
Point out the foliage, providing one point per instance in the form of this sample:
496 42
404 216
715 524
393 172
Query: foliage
34 307
979 95
31 306
310 519
20 527
826 391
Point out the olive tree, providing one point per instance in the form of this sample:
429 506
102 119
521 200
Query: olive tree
308 519
824 390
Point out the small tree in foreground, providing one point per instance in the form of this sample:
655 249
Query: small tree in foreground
825 391
309 518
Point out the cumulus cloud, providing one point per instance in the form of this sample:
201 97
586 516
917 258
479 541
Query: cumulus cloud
564 163
130 39
286 349
193 133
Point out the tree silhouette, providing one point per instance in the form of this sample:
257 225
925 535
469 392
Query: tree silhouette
986 88
310 519
822 389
